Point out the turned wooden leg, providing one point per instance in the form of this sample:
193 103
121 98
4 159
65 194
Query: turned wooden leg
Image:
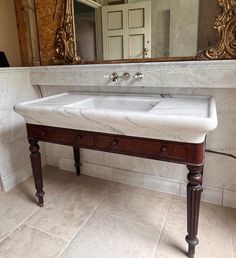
77 160
37 169
194 190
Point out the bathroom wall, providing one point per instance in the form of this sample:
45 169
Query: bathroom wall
216 78
14 159
8 30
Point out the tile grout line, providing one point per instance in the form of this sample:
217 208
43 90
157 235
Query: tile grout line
85 222
158 241
45 232
18 226
129 220
31 214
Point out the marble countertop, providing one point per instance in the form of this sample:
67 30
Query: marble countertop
167 117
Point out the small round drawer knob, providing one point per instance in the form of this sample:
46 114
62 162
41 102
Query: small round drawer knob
77 138
43 133
163 149
114 142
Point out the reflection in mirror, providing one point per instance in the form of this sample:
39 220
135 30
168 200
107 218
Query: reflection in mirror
131 29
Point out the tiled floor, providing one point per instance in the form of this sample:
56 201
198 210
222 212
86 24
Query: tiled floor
93 218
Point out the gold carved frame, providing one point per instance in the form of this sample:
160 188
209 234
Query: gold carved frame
225 24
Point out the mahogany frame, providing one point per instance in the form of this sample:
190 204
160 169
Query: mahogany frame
189 154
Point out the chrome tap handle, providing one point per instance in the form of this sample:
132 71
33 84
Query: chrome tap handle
138 76
114 77
125 76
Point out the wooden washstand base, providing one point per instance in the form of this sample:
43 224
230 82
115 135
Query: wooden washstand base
189 154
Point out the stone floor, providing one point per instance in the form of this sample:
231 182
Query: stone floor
93 218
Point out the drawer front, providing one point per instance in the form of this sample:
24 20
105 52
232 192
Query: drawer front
142 147
61 136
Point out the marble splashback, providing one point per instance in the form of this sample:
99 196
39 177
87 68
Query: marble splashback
200 74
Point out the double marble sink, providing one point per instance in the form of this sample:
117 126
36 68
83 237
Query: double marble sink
166 117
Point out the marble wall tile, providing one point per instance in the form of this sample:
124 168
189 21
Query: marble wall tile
229 198
14 156
96 171
17 177
158 168
66 164
210 194
14 159
162 184
220 171
127 177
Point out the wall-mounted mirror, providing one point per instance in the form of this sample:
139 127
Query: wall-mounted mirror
106 30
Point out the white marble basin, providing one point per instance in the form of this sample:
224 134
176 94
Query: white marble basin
169 117
116 103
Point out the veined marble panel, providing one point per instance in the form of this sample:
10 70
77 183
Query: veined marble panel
14 158
194 74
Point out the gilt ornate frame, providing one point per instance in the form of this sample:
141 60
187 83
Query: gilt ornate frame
225 24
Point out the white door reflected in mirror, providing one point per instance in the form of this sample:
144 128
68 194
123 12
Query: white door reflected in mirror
126 31
138 29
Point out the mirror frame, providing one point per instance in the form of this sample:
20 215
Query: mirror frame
225 48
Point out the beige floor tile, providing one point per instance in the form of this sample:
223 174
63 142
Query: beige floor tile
141 207
27 242
54 180
105 236
15 206
214 242
19 203
71 207
210 214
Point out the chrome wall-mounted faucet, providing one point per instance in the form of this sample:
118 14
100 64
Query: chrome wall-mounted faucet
125 76
138 76
115 77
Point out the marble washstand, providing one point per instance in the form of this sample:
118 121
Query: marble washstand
163 127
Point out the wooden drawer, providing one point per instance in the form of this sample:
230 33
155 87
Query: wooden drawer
142 147
61 136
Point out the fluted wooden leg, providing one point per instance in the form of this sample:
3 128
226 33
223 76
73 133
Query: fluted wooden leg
37 170
194 190
77 160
